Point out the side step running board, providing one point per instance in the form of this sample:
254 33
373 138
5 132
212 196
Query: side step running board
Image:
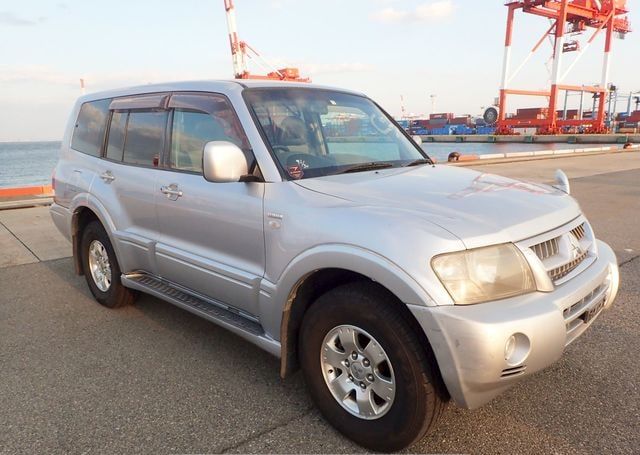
246 328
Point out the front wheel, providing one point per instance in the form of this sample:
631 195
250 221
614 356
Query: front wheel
101 269
366 369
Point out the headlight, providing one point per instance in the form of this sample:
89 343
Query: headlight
483 274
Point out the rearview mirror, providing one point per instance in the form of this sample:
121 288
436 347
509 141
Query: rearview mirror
223 162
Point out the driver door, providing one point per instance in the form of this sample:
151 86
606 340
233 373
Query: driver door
211 234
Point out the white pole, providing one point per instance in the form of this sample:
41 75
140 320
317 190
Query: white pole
506 61
605 69
557 60
237 53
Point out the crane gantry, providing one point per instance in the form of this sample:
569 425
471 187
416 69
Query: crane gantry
567 17
241 52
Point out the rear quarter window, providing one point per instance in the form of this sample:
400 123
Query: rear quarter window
115 143
145 138
88 134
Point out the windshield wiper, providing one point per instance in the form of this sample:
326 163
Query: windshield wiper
366 167
419 161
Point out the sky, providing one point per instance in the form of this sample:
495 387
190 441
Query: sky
387 49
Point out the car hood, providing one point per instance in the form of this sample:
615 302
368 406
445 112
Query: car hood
478 208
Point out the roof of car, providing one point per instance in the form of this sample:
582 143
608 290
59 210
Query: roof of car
204 86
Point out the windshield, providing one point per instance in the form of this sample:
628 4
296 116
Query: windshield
316 132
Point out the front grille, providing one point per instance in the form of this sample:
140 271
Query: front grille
582 312
579 231
580 305
546 249
563 251
565 269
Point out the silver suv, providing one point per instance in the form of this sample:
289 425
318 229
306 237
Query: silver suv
305 220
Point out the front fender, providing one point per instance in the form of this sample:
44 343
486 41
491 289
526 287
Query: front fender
276 298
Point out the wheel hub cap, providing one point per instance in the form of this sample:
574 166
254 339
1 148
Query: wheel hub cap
99 265
357 372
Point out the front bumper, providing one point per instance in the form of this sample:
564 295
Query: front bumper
470 342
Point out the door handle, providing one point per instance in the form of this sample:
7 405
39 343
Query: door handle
171 190
107 176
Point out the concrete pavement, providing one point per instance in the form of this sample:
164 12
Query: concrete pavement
151 378
607 187
28 235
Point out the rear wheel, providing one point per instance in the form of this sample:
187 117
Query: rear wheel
101 269
366 369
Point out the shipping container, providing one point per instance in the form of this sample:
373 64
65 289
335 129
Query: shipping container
420 122
442 115
486 130
634 117
538 113
466 120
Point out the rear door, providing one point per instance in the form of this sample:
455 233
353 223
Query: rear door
127 181
211 234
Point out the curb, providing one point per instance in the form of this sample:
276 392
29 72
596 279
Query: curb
42 190
540 154
22 204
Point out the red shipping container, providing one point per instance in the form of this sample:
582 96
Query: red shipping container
634 117
572 114
466 120
440 116
532 113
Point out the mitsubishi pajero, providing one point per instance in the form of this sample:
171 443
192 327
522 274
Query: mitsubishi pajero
306 221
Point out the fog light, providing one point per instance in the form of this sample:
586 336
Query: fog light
510 347
516 349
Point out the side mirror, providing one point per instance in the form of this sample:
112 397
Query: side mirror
223 162
417 139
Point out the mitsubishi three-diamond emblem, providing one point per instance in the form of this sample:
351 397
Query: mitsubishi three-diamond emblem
575 251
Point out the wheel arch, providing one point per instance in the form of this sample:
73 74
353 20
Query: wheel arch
83 212
335 266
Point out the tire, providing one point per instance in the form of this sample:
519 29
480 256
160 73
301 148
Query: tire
110 293
404 416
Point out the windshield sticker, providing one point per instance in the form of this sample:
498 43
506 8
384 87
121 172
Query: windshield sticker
295 171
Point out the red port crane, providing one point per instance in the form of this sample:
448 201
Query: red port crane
241 52
566 17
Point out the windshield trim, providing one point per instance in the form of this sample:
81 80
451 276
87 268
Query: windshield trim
283 172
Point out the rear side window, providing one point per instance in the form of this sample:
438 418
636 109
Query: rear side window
115 145
145 138
90 127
